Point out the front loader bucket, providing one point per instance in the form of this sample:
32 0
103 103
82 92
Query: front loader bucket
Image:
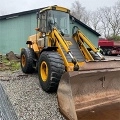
90 95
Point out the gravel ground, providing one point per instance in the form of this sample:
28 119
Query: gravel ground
113 57
28 99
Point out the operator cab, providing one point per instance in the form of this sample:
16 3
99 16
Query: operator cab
54 17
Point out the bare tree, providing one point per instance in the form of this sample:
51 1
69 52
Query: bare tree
94 20
104 20
80 12
115 19
104 16
110 20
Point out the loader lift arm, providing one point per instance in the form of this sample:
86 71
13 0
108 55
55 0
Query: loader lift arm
55 34
80 38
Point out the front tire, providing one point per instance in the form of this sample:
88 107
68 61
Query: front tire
50 70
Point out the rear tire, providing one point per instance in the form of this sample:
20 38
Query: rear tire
104 53
50 70
109 53
27 63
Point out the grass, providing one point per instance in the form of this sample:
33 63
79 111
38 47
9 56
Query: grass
10 65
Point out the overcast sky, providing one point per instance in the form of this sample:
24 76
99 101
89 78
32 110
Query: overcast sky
14 6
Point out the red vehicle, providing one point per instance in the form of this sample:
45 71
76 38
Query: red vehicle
109 47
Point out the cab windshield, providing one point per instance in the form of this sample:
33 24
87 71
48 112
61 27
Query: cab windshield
58 19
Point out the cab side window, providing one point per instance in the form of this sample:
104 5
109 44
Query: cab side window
43 22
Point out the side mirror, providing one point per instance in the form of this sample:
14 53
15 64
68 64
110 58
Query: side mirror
73 20
37 29
37 15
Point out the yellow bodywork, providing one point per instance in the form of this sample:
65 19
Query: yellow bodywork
65 44
88 88
50 36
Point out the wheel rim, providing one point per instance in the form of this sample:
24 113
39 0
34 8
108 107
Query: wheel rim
23 60
44 71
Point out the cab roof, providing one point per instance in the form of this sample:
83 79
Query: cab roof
55 7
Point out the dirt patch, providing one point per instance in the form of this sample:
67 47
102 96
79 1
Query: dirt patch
3 67
10 61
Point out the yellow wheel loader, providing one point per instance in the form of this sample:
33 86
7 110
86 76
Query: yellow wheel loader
87 85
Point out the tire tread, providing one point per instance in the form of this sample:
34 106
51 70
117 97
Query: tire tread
56 70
